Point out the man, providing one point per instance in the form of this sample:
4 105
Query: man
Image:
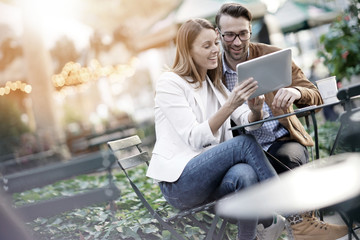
285 139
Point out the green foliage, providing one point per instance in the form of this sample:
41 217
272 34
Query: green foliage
11 126
327 134
71 114
130 220
341 43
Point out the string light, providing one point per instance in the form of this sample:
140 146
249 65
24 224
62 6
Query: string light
14 86
73 74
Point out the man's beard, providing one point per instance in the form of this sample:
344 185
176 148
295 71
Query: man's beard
235 57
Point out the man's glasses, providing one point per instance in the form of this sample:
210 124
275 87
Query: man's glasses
230 36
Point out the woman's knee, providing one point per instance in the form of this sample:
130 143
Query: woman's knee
236 178
240 176
249 176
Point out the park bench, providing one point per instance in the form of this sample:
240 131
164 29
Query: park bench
38 177
129 155
93 142
15 164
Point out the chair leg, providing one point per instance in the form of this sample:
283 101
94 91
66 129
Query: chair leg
212 229
349 223
316 135
222 229
336 140
197 223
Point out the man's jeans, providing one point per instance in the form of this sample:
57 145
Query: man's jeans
223 169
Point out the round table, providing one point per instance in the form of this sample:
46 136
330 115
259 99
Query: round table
318 184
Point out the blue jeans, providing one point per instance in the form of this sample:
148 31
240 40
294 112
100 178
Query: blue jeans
223 169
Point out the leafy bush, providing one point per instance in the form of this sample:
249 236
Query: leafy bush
341 43
130 220
11 126
327 134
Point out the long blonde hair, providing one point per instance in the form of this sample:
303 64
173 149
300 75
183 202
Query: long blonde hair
184 65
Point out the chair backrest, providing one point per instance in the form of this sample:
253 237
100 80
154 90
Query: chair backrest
350 125
346 93
136 158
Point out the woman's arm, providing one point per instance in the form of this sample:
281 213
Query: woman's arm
176 103
237 97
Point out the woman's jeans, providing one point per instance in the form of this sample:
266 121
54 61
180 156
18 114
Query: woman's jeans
223 169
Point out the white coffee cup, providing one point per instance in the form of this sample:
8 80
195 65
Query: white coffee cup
328 89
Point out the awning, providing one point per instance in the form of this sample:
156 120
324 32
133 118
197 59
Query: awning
194 9
294 16
208 8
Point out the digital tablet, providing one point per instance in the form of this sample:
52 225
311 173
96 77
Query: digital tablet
271 71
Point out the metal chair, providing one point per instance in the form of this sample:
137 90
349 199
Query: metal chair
121 146
348 138
350 119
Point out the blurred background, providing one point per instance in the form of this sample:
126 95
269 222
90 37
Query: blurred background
75 74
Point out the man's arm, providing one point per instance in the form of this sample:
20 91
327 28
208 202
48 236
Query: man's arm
302 92
310 95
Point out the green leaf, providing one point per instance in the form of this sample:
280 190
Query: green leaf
57 221
130 233
166 235
151 229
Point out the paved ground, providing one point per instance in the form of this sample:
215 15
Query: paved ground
333 218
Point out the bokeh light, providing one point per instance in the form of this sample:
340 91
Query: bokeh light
15 86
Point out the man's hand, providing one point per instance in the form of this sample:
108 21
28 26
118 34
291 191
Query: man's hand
285 97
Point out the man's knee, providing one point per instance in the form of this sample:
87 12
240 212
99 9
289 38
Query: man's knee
291 153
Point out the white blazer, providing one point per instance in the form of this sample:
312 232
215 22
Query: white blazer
182 130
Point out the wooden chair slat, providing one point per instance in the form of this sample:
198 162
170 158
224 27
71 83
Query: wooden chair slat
124 143
133 161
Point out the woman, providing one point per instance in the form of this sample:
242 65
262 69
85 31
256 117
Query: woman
195 158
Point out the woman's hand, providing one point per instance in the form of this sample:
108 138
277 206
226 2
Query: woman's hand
256 105
237 97
242 92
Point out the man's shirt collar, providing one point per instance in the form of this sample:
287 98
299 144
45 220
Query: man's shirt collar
226 68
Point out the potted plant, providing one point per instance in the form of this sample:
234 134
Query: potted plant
341 44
